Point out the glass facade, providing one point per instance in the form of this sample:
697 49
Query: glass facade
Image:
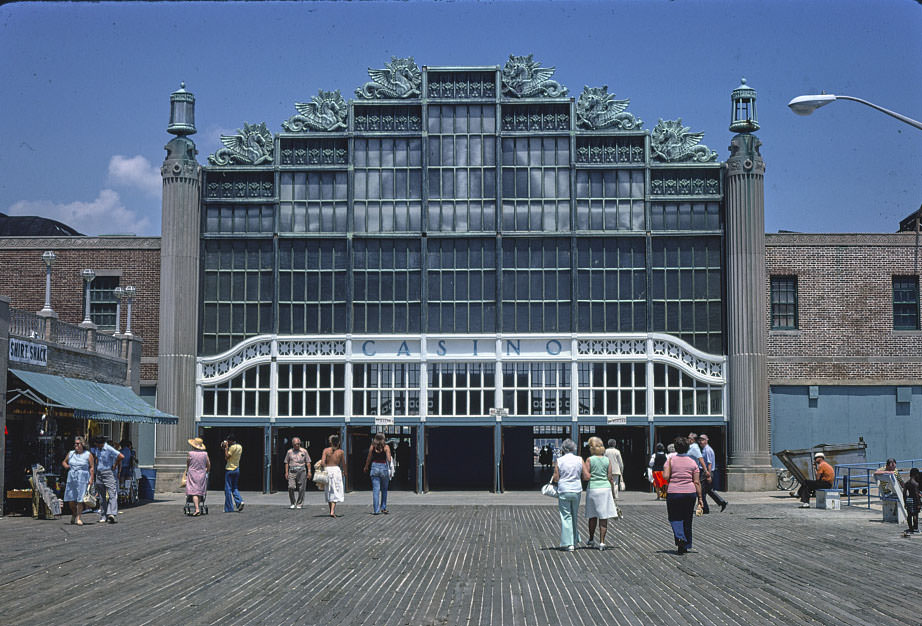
464 216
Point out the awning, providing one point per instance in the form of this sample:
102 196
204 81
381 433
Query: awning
92 400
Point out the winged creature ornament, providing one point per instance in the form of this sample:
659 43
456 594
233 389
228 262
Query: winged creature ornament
400 78
670 141
523 77
325 112
597 109
252 145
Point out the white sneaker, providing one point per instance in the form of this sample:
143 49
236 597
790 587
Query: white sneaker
805 505
601 546
292 506
298 507
570 548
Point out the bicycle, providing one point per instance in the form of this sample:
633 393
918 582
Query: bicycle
786 480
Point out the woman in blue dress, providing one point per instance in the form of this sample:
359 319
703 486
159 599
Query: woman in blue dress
81 472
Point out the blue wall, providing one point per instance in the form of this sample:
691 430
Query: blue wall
841 414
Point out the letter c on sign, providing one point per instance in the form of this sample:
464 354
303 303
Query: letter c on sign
365 348
556 343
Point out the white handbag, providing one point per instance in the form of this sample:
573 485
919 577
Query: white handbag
549 490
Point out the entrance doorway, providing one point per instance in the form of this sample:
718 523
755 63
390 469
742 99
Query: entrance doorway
402 441
528 455
459 457
717 439
631 441
251 462
314 439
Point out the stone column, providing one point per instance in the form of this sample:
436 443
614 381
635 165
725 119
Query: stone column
749 468
179 288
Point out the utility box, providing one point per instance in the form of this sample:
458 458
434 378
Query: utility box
828 499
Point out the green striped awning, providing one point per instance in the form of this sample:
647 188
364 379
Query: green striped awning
92 400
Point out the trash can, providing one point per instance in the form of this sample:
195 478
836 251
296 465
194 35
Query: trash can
147 484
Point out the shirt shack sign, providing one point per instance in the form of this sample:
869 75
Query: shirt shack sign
28 352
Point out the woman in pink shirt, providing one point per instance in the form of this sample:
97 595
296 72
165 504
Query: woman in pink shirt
683 493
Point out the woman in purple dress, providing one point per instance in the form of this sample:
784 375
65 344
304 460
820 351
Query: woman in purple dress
197 467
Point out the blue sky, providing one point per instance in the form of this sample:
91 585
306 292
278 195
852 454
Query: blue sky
86 87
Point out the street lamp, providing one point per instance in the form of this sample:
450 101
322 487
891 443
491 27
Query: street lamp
129 296
88 276
119 294
805 105
48 257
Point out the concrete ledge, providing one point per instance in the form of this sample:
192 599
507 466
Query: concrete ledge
751 479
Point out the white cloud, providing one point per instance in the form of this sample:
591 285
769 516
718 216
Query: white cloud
135 172
106 215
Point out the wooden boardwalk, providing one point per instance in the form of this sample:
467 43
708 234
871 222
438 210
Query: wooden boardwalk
467 565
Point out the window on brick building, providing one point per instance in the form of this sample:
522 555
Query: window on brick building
784 302
103 302
905 303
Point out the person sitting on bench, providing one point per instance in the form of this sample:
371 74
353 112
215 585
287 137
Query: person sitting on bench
824 477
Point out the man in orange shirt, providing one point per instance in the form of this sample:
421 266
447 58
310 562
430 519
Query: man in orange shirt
825 475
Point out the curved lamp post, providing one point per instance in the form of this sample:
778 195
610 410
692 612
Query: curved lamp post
805 105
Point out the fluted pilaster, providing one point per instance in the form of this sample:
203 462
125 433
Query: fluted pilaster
750 461
179 288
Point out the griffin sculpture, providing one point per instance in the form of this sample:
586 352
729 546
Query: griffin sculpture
400 78
326 111
597 109
252 145
670 141
523 78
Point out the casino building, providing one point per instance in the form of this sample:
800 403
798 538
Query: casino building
469 260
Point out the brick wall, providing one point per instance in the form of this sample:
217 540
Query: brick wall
845 309
137 259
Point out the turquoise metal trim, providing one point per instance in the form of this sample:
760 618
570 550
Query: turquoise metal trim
92 400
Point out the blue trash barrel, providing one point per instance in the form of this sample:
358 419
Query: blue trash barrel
147 484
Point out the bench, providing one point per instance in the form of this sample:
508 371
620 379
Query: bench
829 499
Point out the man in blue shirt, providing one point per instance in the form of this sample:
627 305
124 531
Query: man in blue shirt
108 464
709 459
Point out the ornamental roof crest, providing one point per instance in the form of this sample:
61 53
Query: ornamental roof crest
325 112
523 78
252 145
400 78
597 109
670 141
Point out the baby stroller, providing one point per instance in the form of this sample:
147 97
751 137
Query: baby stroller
189 507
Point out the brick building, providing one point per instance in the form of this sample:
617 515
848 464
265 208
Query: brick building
117 261
844 345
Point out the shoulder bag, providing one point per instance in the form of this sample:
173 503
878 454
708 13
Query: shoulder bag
549 490
320 475
89 496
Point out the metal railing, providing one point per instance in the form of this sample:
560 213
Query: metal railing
68 334
857 479
26 324
107 344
